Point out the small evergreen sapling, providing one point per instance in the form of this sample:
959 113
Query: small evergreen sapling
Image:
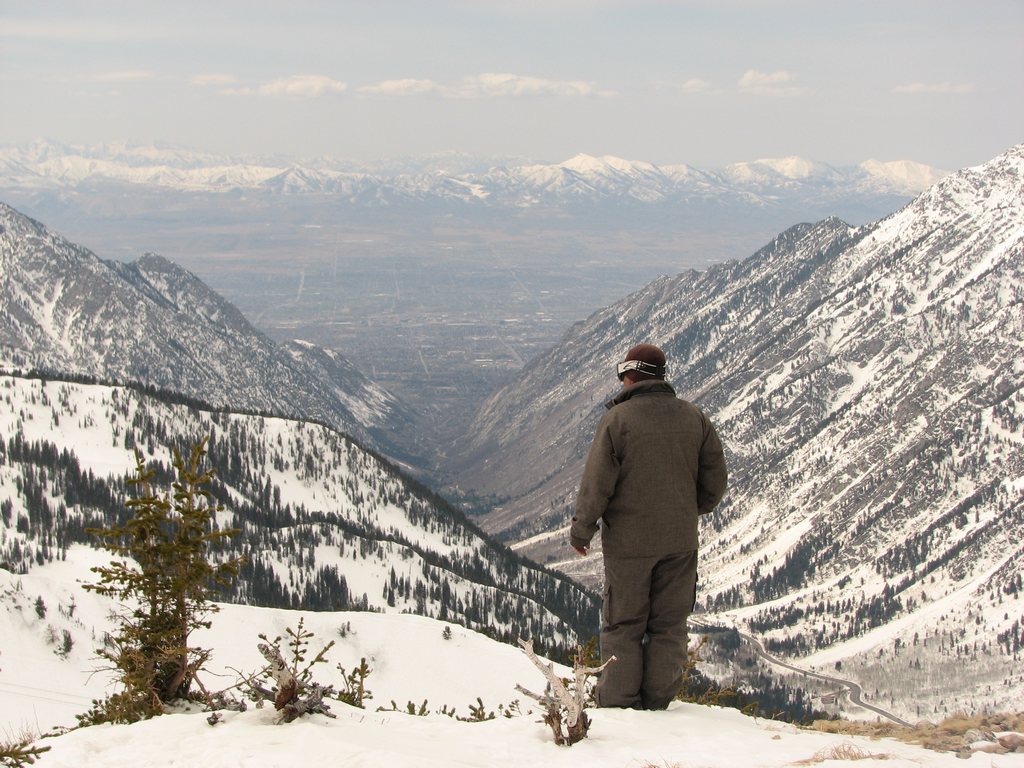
412 708
477 713
164 583
356 692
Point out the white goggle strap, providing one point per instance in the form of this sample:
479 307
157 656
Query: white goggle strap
640 367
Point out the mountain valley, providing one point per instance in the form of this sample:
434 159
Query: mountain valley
440 277
866 381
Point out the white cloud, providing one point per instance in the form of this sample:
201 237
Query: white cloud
404 87
779 82
213 79
947 88
297 86
485 86
693 85
491 84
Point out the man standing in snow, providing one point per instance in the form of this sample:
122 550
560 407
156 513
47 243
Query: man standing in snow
656 463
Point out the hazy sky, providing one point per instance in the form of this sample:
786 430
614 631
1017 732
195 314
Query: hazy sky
704 82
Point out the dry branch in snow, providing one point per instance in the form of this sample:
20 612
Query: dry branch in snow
292 697
561 704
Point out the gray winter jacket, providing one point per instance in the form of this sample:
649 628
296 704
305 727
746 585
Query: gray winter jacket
656 463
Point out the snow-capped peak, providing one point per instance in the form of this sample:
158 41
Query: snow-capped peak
590 165
789 168
904 175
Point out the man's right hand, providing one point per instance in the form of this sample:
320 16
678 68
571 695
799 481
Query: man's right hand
581 551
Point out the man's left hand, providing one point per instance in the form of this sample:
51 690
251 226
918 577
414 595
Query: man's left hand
581 551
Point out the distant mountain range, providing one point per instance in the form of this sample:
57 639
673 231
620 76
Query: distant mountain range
867 382
452 179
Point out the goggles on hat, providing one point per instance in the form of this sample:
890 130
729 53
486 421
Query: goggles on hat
640 367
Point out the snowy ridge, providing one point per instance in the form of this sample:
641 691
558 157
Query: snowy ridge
868 386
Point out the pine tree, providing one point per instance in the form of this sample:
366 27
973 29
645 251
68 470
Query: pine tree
164 585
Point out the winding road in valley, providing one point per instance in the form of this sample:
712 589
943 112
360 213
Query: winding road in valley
852 689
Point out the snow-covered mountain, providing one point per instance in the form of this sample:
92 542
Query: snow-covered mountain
64 310
323 523
868 386
578 180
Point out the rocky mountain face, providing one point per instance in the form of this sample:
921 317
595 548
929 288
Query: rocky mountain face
867 385
62 309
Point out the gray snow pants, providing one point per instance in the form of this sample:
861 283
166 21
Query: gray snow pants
646 603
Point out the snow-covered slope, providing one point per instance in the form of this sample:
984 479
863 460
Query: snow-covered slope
48 660
411 661
322 523
868 386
